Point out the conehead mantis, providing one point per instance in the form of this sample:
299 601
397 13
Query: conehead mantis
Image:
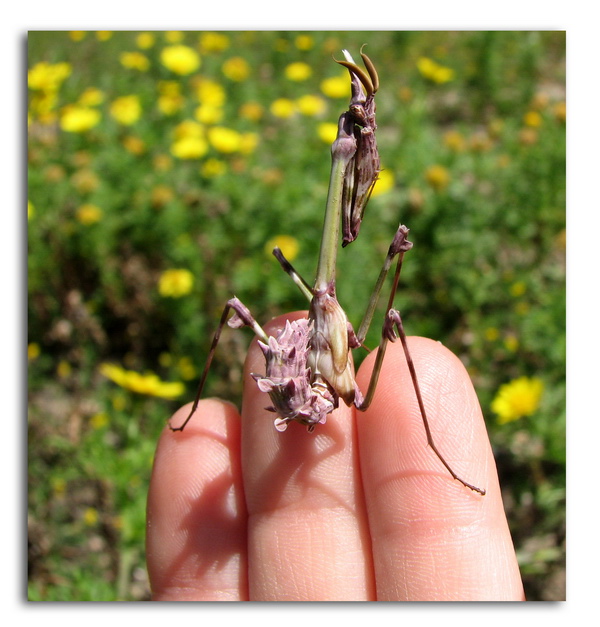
308 364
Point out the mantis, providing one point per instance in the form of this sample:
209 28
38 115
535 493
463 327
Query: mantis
308 364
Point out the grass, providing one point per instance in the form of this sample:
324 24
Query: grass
472 141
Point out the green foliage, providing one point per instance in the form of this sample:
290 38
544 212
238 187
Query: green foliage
476 156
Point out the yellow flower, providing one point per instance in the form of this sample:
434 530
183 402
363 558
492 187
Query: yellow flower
134 145
212 168
252 111
208 114
90 516
248 143
491 334
236 69
298 71
304 42
145 40
560 111
174 36
126 110
98 421
148 383
518 289
438 177
161 195
77 119
224 139
186 369
103 35
170 103
210 92
532 119
433 71
521 397
511 343
384 183
213 42
88 214
336 87
91 97
328 132
30 210
180 59
33 351
189 147
162 163
59 486
283 108
77 35
311 105
135 61
289 246
175 283
85 180
455 141
189 128
63 370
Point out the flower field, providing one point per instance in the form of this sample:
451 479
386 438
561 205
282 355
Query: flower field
162 169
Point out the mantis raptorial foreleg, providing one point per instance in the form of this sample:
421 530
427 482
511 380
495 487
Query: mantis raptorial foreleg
242 317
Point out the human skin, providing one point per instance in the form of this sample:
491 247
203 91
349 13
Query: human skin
359 510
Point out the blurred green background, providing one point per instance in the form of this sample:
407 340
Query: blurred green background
163 167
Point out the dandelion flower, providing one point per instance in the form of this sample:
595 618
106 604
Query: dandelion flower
289 246
304 42
252 111
283 108
88 214
126 110
90 516
175 283
208 114
135 61
174 36
327 132
91 97
311 105
213 42
336 87
532 119
385 182
518 398
438 177
298 71
212 168
48 77
434 71
76 119
145 40
189 147
224 139
236 69
180 59
560 111
210 92
148 384
33 351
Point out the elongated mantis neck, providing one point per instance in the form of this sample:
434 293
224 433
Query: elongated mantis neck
342 152
331 225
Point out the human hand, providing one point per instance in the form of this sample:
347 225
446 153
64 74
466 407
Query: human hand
359 510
